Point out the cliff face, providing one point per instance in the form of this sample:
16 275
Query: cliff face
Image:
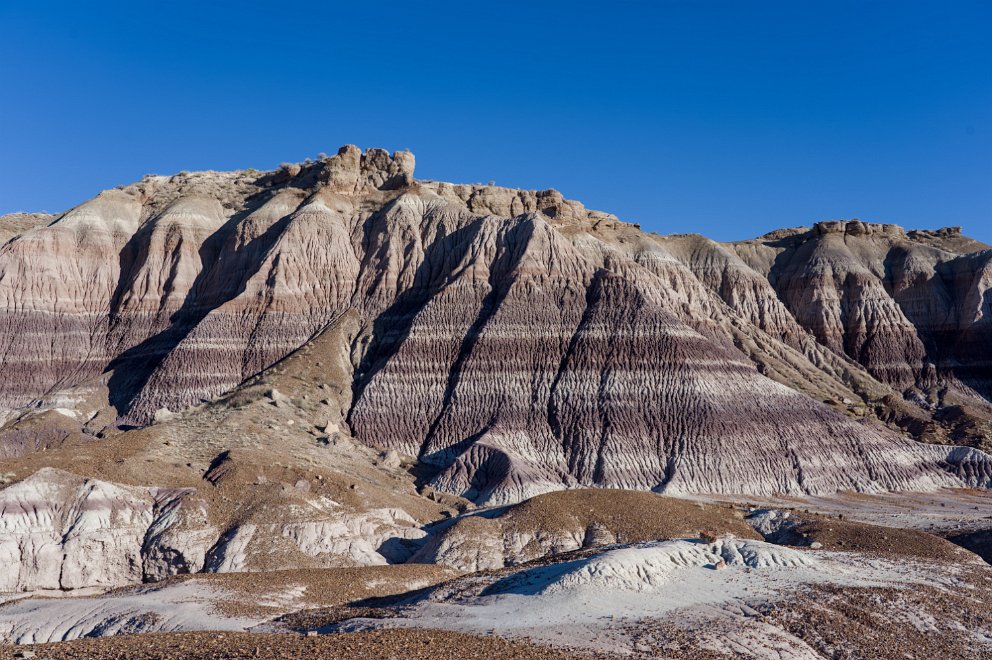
513 341
912 308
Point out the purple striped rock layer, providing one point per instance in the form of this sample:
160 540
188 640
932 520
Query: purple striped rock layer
514 341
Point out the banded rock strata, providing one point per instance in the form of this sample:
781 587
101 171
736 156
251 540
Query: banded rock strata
513 342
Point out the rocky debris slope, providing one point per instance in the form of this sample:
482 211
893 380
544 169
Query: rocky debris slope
512 342
564 521
804 529
40 431
258 481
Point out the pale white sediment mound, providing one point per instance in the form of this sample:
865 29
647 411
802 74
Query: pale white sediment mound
652 566
183 606
61 531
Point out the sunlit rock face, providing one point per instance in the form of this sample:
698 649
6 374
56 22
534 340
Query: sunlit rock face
513 341
59 531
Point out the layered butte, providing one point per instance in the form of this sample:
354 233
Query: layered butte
513 342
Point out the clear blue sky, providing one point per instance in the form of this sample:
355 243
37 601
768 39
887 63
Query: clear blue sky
727 118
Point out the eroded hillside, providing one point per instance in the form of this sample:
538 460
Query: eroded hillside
509 342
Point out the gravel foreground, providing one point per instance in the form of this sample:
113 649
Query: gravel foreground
402 643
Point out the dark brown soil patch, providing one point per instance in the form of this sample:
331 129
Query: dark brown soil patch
398 643
839 534
633 516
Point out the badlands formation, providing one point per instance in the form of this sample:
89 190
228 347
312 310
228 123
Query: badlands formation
411 415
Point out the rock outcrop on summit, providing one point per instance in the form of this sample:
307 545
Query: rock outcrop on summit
512 342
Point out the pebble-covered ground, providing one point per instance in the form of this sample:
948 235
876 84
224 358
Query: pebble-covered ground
406 644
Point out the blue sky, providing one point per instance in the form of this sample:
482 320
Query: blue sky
726 118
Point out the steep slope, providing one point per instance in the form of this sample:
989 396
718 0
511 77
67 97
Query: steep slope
912 308
512 342
259 480
56 287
